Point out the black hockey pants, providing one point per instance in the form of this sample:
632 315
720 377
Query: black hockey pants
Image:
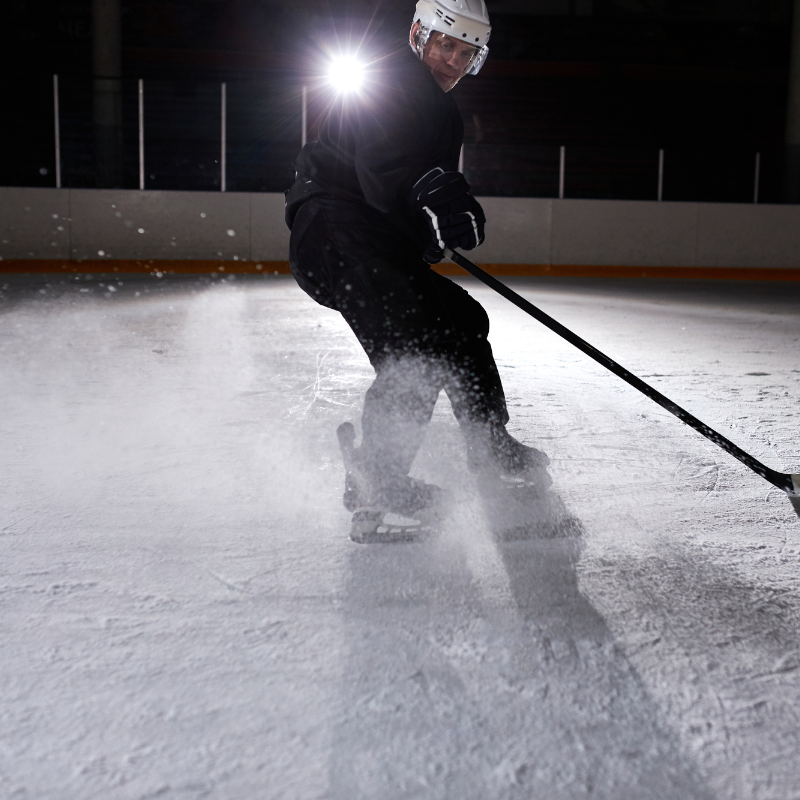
422 332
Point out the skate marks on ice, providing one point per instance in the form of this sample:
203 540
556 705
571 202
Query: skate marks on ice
713 614
453 691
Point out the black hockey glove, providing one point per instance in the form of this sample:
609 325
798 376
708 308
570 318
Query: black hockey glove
454 216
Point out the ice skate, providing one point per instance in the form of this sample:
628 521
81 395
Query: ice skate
498 458
514 489
405 510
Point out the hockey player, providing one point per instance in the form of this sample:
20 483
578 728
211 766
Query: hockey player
377 199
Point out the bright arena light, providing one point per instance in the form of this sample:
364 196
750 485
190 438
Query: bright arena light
346 74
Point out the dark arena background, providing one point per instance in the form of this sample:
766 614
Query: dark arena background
612 81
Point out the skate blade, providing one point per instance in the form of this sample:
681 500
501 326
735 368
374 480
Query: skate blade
535 479
497 487
368 527
563 527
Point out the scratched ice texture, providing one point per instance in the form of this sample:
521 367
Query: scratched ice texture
184 616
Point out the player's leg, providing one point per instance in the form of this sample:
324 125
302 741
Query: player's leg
476 394
376 285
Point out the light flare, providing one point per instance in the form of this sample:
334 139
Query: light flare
346 74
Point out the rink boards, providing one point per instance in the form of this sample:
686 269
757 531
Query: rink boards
109 230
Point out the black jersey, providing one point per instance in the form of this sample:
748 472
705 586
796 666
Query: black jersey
374 145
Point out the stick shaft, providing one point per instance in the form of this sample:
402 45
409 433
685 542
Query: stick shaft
781 480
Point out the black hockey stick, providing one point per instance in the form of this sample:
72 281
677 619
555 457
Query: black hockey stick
787 482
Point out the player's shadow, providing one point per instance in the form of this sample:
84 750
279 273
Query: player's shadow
522 512
475 668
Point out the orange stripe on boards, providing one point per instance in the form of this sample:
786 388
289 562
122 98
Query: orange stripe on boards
207 267
588 271
143 266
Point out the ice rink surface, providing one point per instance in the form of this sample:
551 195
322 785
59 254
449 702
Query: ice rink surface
184 616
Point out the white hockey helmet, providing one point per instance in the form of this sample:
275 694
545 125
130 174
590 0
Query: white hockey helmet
465 20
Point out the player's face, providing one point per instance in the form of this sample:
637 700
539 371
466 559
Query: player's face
447 58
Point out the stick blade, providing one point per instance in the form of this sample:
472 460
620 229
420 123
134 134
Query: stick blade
794 498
